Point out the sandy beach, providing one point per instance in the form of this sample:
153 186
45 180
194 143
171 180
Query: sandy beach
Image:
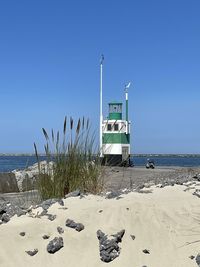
161 228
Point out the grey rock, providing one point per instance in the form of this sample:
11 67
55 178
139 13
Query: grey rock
45 236
60 230
133 237
77 226
32 252
198 260
113 194
196 193
146 251
51 217
22 233
8 210
8 183
75 193
47 203
55 245
5 218
43 213
109 248
118 236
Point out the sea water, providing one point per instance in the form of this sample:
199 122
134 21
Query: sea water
9 163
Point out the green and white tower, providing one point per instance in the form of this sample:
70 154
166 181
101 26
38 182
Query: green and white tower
115 132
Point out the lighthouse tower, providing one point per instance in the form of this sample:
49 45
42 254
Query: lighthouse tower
116 136
114 131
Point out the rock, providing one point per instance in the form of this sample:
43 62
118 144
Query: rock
8 183
112 194
100 211
27 178
198 260
192 257
47 203
8 210
196 193
45 236
32 252
51 217
55 245
109 248
118 236
5 218
22 233
60 230
77 226
132 236
75 193
146 251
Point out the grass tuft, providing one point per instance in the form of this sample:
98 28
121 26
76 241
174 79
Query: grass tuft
71 163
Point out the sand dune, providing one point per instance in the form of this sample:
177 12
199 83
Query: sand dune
165 222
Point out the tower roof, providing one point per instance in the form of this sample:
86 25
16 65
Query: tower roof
115 103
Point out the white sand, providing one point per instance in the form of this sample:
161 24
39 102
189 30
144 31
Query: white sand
164 222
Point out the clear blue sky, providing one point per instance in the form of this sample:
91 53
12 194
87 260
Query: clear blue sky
49 68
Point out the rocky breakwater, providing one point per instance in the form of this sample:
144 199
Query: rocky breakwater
26 179
22 180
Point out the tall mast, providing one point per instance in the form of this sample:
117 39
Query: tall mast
126 93
101 112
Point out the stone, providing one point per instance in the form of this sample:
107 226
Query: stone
197 194
51 217
8 183
109 248
77 226
192 257
146 251
5 218
45 236
22 233
198 260
47 203
113 194
8 210
60 230
133 237
32 252
55 245
75 193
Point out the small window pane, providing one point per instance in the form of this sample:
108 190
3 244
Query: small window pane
109 127
116 127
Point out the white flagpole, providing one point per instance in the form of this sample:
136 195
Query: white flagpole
101 112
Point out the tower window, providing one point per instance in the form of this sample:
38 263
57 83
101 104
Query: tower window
116 127
109 127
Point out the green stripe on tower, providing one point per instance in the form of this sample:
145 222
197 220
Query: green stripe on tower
126 109
116 138
115 116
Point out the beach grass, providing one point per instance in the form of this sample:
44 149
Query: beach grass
71 163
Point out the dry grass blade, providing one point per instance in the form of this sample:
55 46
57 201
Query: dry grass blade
45 134
65 125
78 126
87 124
57 139
52 135
71 123
83 122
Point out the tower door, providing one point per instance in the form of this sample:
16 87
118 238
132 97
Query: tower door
125 154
